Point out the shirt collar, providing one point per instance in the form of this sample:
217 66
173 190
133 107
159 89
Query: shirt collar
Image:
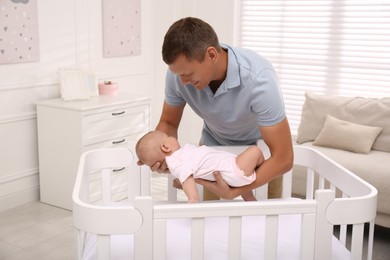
232 79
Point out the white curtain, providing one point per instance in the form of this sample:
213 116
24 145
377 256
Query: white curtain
339 47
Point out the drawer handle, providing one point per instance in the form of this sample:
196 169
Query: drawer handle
119 170
118 113
118 142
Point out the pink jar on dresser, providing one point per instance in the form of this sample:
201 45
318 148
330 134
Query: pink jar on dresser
108 88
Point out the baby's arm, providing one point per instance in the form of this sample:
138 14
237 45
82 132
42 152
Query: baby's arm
189 188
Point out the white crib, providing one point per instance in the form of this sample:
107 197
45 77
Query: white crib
133 226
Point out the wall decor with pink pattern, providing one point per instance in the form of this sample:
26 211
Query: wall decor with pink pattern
121 28
19 41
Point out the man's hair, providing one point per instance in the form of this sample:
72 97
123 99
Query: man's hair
189 36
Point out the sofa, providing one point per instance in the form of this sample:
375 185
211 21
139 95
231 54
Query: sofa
353 131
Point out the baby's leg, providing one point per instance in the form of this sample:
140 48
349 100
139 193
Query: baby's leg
250 159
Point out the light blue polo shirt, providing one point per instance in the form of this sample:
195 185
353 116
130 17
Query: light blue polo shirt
249 97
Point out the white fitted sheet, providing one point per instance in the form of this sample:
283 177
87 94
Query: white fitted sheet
216 230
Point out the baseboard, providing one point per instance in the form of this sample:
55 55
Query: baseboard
19 198
19 188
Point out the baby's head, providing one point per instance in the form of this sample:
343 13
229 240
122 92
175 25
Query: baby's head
154 146
148 147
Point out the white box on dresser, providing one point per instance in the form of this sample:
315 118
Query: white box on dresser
68 128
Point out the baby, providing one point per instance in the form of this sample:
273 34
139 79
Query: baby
189 162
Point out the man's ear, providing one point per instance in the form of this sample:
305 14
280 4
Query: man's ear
212 53
165 148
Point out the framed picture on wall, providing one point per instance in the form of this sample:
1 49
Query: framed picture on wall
19 39
121 28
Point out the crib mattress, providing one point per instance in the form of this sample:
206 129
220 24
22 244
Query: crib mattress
216 230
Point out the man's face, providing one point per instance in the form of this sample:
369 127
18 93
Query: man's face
198 74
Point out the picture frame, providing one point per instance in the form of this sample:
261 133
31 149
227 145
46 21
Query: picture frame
77 84
91 82
72 84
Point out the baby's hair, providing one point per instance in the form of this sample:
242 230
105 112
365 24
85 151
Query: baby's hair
148 146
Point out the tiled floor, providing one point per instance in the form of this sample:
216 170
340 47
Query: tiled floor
43 232
36 231
39 231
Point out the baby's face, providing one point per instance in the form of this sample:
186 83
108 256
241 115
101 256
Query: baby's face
153 158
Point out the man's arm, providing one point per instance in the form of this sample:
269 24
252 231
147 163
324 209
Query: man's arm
170 119
278 140
169 123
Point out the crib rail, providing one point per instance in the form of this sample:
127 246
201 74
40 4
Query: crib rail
320 211
235 211
356 204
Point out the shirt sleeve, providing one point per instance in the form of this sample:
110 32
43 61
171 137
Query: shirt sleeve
179 169
172 93
267 100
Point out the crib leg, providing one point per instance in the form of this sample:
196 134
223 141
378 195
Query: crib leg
357 241
80 238
370 239
103 247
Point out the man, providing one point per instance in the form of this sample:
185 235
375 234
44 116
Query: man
235 92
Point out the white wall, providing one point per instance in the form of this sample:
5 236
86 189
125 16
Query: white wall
70 34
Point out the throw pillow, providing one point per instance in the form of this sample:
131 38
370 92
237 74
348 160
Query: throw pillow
358 110
348 136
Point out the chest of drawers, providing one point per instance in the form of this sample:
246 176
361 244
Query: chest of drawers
66 129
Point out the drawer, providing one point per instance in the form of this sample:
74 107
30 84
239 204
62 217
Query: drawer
120 141
115 123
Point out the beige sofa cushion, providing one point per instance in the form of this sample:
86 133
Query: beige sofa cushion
348 136
363 111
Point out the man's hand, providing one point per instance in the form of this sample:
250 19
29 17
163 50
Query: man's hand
160 167
219 187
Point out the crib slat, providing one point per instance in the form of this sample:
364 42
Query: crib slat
310 184
133 177
287 185
271 237
234 243
145 176
343 235
197 238
106 186
357 241
370 240
324 230
172 193
321 183
103 247
261 192
143 249
160 239
80 240
343 229
308 223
